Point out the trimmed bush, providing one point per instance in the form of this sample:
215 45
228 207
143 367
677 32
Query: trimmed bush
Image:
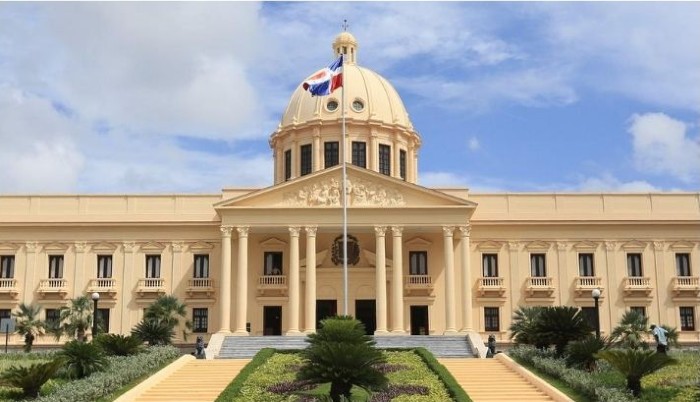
453 388
119 345
82 359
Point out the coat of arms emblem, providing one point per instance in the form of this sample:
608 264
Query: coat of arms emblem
353 250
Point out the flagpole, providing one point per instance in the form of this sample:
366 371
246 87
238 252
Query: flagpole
345 200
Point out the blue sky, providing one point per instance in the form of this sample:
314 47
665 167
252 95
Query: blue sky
181 97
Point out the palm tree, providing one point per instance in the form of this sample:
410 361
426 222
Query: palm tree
82 359
631 330
168 310
29 325
154 331
635 364
341 353
76 319
560 325
522 326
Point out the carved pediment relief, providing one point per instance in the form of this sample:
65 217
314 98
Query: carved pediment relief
634 245
273 242
538 245
200 246
104 247
55 247
585 245
682 245
489 245
152 246
328 192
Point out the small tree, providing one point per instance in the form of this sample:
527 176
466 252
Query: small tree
631 330
28 324
30 378
82 358
168 310
560 325
153 331
522 328
635 364
74 320
583 352
341 354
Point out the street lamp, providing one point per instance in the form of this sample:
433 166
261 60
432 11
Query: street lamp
95 298
596 295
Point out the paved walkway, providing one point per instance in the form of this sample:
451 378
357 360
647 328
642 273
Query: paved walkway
489 380
195 381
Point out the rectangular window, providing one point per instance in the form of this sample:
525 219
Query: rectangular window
639 309
402 164
491 321
53 317
634 264
588 314
103 320
305 160
201 265
683 264
585 264
489 264
5 313
330 153
273 263
55 267
153 266
7 266
537 266
418 262
287 164
385 159
359 154
200 319
104 266
687 318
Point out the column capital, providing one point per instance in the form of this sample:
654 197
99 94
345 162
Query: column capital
311 231
80 246
177 246
562 246
226 230
447 231
242 231
380 230
294 231
31 246
659 245
513 246
610 245
397 230
465 230
129 246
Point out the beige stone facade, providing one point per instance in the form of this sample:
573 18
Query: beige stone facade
422 261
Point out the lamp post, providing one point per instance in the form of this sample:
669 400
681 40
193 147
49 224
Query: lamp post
95 298
596 295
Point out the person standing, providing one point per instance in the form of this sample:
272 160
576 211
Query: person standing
661 339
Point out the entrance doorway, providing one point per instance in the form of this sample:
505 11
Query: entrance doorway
366 312
419 320
272 320
325 309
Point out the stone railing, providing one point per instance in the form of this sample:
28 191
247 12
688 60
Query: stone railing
272 280
588 283
103 285
637 284
149 285
491 284
686 284
540 284
420 281
200 283
53 286
8 285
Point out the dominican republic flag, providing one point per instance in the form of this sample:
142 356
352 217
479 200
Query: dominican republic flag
325 81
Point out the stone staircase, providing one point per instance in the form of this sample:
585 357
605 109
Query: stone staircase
490 380
235 347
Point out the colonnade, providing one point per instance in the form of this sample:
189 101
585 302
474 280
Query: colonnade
397 325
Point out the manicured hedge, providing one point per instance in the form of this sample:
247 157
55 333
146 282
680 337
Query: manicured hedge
455 390
234 388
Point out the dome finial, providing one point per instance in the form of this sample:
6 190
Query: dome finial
346 44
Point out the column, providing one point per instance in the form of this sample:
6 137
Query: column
279 166
225 299
242 285
395 157
31 249
449 257
310 297
373 153
293 328
317 150
397 282
465 257
659 279
79 268
129 248
295 160
177 247
380 279
409 163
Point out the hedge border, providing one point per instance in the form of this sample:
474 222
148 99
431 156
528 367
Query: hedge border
453 388
234 387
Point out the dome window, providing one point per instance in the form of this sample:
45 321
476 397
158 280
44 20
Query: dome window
332 105
358 105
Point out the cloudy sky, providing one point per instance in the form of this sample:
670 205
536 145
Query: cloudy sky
181 97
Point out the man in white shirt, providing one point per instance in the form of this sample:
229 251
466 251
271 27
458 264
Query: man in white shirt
661 340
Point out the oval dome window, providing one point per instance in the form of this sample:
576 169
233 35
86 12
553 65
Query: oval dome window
357 105
332 105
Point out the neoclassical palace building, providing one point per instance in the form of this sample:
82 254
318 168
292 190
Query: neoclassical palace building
421 261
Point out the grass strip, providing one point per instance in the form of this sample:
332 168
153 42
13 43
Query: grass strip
556 383
453 388
234 387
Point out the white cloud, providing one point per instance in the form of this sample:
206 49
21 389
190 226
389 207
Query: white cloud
662 145
474 144
608 183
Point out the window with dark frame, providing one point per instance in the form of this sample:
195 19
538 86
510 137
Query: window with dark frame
55 267
200 320
491 319
330 154
418 262
5 313
385 159
489 263
104 266
683 264
53 317
538 268
687 318
7 267
103 320
359 154
153 266
585 264
305 165
402 164
639 309
201 266
634 264
588 314
287 164
273 263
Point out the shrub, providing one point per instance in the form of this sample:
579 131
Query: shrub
631 330
30 378
455 390
560 325
155 332
522 329
82 359
119 345
635 364
582 353
28 324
